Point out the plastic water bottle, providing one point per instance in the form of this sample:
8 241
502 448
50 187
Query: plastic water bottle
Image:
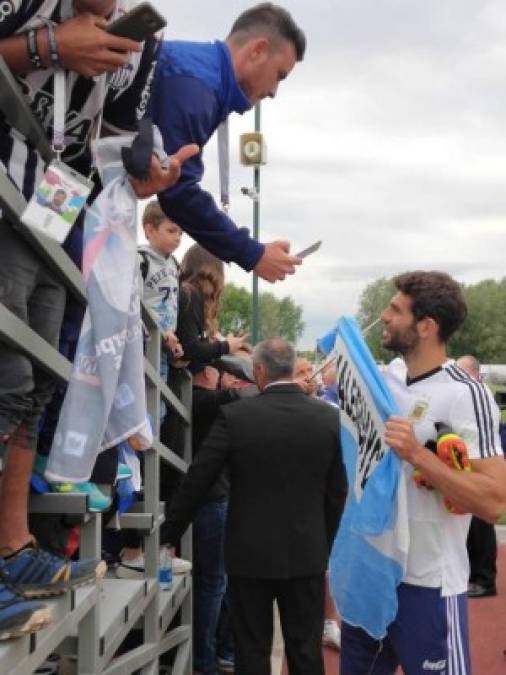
165 573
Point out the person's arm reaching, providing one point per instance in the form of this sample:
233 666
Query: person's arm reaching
201 475
183 108
123 109
163 177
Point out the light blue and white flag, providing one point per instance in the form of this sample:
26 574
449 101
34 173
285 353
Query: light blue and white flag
369 554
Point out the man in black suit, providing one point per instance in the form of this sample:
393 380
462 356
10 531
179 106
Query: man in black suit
287 492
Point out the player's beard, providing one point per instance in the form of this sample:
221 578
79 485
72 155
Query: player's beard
404 342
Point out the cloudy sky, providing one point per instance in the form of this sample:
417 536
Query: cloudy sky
388 143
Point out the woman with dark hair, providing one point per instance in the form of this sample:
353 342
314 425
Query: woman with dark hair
202 280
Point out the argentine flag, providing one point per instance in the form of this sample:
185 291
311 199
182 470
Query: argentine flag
369 555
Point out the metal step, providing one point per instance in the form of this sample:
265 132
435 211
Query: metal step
24 655
138 519
170 601
122 602
122 605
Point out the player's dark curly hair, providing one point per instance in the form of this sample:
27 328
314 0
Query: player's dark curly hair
435 295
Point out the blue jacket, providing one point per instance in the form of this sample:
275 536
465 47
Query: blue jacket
194 90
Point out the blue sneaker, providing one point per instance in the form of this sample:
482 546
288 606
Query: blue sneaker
97 501
38 574
17 615
124 472
38 483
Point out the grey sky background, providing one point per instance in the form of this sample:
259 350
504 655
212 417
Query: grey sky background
387 143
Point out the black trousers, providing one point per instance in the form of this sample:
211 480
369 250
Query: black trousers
300 603
482 551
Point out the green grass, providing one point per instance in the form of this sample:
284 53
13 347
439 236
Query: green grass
502 521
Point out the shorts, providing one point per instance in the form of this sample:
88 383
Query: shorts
429 636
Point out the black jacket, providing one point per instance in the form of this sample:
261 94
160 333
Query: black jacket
191 329
206 405
287 483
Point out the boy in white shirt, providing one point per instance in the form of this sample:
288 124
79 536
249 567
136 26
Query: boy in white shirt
160 273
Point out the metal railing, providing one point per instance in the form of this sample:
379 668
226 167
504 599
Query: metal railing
93 622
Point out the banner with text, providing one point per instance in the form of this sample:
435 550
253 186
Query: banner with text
369 555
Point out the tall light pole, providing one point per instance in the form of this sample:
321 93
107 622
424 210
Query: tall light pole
255 313
253 153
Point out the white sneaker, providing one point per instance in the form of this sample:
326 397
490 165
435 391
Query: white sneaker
134 568
131 569
180 566
331 634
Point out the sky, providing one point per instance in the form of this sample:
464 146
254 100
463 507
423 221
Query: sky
387 143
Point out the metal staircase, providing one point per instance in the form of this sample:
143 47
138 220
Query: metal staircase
93 622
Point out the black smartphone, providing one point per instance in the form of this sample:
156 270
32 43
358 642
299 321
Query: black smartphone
139 24
310 249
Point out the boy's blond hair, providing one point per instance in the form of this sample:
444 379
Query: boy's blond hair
153 215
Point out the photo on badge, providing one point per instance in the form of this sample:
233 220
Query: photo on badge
57 202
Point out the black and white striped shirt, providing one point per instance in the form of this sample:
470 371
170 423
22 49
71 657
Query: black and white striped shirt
123 96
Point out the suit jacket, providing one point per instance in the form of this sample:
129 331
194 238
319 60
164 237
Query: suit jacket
287 483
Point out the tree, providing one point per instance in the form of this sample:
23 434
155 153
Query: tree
310 355
373 300
235 309
483 334
281 318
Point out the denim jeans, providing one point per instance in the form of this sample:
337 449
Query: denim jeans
209 582
224 634
30 290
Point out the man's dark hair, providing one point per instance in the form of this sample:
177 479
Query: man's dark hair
272 20
435 295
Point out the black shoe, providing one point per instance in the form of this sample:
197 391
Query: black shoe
479 591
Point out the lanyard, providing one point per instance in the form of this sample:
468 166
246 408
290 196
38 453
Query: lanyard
59 110
59 107
224 164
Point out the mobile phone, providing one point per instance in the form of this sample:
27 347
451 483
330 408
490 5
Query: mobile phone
310 249
139 24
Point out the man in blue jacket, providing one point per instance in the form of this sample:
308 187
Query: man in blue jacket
196 87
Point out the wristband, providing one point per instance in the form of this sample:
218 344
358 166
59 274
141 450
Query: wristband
54 54
33 52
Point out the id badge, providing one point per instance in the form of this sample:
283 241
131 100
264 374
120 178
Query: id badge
419 409
58 200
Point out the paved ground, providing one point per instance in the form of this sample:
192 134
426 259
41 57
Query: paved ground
487 619
488 625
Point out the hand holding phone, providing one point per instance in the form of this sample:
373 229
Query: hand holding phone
139 24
